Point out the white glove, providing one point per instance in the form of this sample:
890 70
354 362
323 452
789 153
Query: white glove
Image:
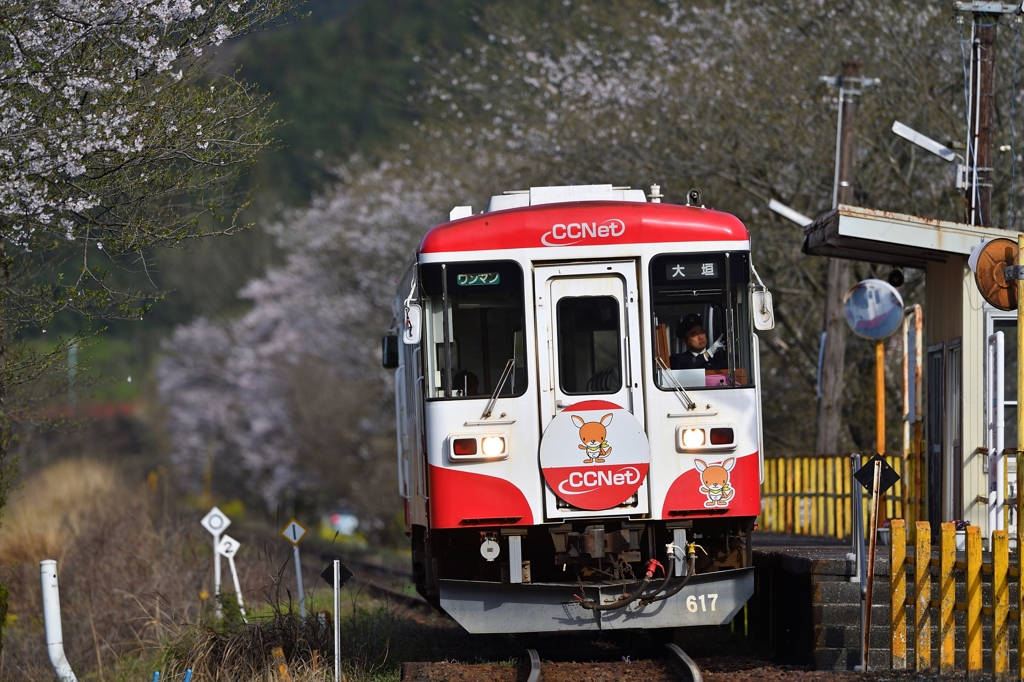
716 346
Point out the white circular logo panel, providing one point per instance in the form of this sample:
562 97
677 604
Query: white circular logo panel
594 455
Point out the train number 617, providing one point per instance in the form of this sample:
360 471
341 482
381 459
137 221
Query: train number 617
691 602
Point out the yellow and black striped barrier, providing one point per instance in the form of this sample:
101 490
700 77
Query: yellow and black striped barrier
810 495
938 614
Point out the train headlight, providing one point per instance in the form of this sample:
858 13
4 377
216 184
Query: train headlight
705 438
470 447
693 438
493 446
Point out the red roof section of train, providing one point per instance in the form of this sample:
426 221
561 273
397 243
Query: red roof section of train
584 223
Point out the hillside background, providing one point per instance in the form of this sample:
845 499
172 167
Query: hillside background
257 371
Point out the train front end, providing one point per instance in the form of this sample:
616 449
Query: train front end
571 456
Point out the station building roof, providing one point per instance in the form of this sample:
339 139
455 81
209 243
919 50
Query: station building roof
875 236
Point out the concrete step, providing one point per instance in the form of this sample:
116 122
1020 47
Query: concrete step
848 614
846 659
847 593
848 636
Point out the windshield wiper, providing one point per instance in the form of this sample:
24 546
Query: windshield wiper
680 392
505 374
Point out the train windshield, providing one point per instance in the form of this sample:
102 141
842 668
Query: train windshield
701 326
473 314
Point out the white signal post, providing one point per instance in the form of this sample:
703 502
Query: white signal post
216 523
337 620
229 547
293 533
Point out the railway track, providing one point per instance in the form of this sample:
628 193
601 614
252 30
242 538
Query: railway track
560 659
669 663
369 575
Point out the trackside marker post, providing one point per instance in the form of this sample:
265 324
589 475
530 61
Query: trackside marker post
337 621
51 622
229 547
336 575
216 523
293 533
877 476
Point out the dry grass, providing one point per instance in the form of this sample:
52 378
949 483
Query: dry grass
130 580
52 507
127 577
247 653
130 577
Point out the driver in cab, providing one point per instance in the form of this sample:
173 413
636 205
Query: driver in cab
697 354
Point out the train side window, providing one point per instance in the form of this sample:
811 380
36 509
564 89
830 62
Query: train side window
705 292
589 356
473 320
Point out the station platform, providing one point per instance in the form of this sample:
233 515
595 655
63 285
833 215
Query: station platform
806 607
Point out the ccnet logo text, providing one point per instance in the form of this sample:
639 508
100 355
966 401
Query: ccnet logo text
564 234
587 481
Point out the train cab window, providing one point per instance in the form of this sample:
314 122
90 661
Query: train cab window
701 320
473 313
589 356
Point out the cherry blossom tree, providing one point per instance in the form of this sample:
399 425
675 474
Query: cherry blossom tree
114 141
291 396
720 96
726 97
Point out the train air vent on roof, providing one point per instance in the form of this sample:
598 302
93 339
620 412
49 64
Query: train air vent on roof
554 195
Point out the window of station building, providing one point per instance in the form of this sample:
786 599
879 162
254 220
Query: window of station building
589 355
701 326
1009 328
473 324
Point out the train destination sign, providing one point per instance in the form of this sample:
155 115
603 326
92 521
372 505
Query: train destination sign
691 270
594 455
478 279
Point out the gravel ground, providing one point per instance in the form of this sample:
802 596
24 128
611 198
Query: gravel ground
727 669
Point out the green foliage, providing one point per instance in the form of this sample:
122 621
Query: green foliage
342 84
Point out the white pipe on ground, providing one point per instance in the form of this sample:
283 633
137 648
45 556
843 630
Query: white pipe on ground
51 621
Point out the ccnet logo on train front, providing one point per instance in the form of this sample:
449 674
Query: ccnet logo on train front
564 234
594 455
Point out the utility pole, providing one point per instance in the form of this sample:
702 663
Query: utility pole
978 181
831 386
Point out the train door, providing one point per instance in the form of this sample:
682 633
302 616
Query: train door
589 347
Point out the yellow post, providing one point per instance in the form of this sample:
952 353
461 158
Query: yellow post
973 599
819 500
898 592
780 500
790 506
281 663
1020 451
802 515
830 499
947 597
846 478
880 397
923 596
1000 604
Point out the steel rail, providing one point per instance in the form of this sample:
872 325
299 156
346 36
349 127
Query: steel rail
534 666
684 663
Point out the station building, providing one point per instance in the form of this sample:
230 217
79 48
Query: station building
963 475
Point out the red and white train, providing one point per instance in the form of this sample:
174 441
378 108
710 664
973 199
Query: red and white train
558 472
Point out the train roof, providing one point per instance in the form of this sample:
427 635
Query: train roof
583 223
